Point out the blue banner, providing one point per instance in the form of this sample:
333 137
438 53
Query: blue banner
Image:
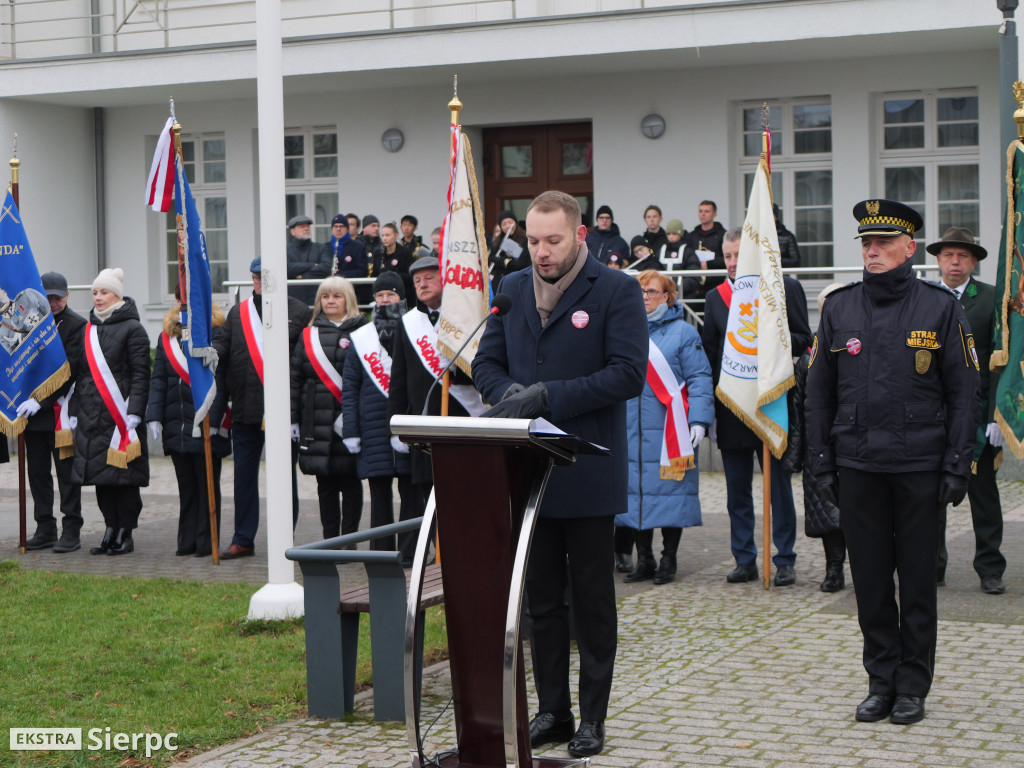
32 359
197 319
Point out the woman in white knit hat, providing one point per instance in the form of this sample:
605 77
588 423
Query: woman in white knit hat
112 387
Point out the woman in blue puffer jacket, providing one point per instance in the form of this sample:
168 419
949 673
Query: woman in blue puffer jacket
678 399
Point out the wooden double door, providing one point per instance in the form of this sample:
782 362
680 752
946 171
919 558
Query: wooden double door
521 162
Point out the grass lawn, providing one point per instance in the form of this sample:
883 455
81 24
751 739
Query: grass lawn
149 656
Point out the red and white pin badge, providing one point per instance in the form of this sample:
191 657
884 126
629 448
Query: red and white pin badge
580 319
344 343
853 346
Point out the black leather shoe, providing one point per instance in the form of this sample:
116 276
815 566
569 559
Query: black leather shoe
589 739
907 710
742 573
623 562
123 543
104 547
785 576
68 542
41 541
874 708
644 570
992 585
551 728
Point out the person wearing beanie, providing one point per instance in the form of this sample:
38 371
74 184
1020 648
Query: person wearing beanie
238 375
680 253
643 259
370 236
508 252
605 243
111 393
366 382
348 254
41 438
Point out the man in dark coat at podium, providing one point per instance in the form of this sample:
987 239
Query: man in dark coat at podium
573 349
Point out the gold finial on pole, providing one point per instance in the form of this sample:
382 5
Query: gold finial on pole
765 127
175 130
14 161
1018 115
455 105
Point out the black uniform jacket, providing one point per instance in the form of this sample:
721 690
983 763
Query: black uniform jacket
893 379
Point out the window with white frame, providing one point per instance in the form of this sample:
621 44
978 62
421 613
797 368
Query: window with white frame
205 160
801 161
311 177
929 159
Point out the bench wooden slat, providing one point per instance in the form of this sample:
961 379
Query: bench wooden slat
357 599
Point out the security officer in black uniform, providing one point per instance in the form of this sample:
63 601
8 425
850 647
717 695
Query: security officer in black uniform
891 411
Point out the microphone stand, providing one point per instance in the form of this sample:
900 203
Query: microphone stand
426 403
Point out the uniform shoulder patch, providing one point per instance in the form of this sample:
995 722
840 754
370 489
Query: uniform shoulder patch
814 352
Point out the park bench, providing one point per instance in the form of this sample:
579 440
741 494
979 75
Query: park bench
332 621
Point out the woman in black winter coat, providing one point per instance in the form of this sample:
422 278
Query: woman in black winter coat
172 413
317 363
821 517
501 260
367 379
111 371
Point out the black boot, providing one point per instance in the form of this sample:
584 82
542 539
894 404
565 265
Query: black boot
835 556
104 547
123 544
666 570
645 566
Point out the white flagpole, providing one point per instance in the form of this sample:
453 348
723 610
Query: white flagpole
281 597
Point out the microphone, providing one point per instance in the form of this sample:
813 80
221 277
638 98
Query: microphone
500 305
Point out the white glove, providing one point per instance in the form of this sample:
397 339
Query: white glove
295 432
29 408
354 444
398 445
73 422
697 433
992 432
132 421
713 432
337 425
154 429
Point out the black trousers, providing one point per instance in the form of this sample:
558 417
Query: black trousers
669 539
987 516
382 507
194 501
624 538
121 505
38 451
339 515
891 525
583 542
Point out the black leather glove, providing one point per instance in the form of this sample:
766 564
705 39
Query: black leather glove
952 489
828 484
530 403
515 389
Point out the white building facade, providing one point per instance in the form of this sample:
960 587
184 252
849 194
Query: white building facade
869 98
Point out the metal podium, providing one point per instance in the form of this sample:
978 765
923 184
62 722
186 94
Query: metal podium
489 477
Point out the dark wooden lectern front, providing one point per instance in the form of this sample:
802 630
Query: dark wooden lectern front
489 477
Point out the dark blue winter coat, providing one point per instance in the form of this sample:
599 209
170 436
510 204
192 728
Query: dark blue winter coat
365 411
654 502
603 243
592 355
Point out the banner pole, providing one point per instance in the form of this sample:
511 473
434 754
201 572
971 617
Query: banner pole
766 469
22 500
454 105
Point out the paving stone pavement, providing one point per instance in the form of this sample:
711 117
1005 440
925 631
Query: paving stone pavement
707 673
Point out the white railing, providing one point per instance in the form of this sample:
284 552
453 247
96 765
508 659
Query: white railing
32 29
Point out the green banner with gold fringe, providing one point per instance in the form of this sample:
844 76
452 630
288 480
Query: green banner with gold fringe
1008 339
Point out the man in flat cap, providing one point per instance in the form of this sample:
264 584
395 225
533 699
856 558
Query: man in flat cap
891 413
306 259
958 255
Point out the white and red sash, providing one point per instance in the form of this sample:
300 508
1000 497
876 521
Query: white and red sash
423 337
676 449
63 439
373 357
175 356
124 442
325 371
725 291
252 328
